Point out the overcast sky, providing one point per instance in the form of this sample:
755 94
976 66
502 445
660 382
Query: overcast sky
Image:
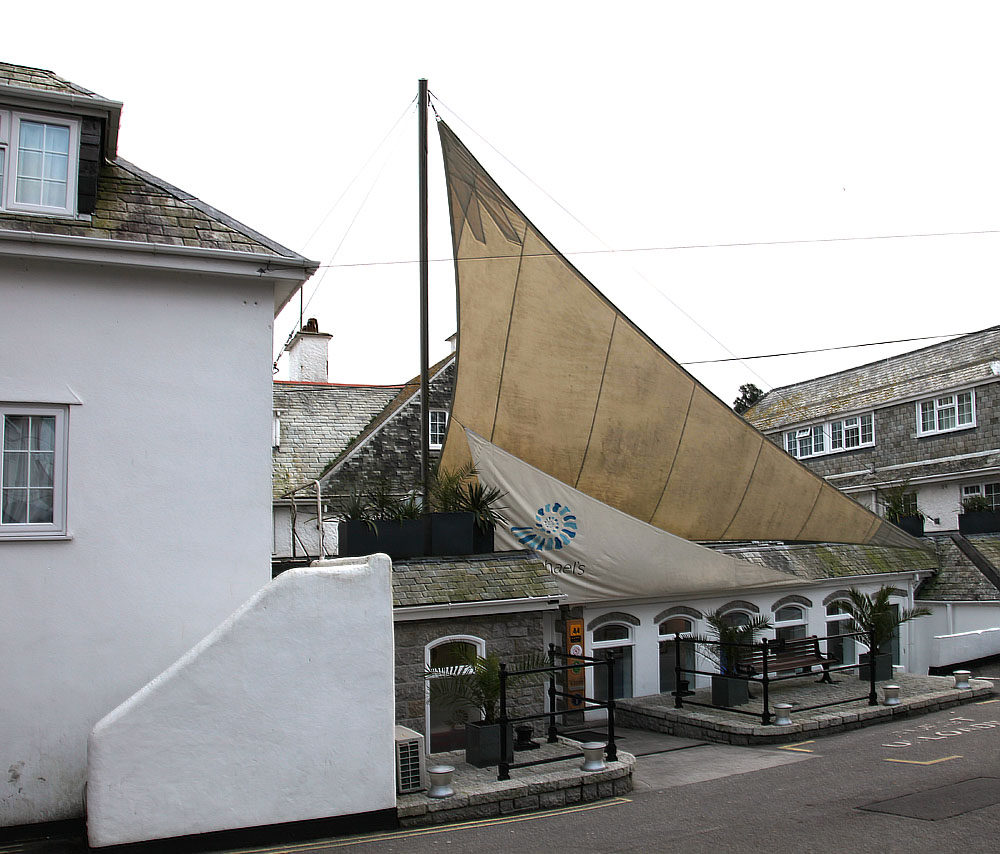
614 126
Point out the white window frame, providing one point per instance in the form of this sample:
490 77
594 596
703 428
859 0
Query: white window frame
480 646
10 129
830 437
56 529
841 620
801 620
596 645
941 403
971 489
436 446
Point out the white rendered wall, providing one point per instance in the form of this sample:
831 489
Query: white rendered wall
965 646
284 713
307 533
169 499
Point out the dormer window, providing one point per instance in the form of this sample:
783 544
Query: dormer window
38 163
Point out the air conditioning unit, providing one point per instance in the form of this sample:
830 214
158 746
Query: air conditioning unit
411 769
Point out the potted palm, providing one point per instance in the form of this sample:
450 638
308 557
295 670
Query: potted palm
465 512
723 646
900 508
474 680
978 516
875 615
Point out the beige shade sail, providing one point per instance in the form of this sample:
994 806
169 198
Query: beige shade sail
552 372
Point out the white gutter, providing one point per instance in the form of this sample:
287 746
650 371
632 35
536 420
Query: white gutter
407 613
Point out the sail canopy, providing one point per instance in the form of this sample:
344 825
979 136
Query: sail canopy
552 372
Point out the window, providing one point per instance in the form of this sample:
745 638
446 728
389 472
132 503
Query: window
617 638
789 623
438 424
845 434
838 625
669 649
990 491
445 722
38 163
947 413
32 472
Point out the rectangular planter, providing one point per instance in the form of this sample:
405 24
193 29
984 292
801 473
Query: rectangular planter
453 534
913 525
398 539
883 667
729 692
482 744
979 522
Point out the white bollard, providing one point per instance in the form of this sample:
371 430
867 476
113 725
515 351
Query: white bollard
440 781
782 714
962 678
593 756
891 693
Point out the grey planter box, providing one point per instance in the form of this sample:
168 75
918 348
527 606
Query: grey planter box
482 744
729 692
980 522
883 667
913 525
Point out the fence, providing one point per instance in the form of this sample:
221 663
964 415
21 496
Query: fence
770 651
506 722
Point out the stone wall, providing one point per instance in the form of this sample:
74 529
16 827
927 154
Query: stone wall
507 635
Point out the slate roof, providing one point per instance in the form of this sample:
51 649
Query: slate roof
39 78
820 561
476 578
958 578
960 362
318 421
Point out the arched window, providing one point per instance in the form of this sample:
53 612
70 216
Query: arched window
669 649
445 724
790 623
617 638
838 624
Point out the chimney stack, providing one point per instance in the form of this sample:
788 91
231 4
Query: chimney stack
308 354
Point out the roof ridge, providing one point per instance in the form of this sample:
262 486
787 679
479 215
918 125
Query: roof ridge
213 212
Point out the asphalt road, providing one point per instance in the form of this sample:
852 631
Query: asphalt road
835 794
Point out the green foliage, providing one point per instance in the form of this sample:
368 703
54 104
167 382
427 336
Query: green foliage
976 504
749 395
475 680
875 613
898 503
446 487
724 641
456 490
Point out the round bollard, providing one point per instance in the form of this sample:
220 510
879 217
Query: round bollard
891 693
782 714
593 756
440 781
962 678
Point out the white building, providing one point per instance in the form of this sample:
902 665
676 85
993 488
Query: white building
135 388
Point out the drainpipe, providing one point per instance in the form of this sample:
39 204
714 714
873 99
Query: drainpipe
319 518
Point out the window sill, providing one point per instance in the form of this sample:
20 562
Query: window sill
34 538
931 433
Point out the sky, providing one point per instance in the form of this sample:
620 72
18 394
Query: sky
739 178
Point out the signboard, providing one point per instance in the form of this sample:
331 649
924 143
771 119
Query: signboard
576 677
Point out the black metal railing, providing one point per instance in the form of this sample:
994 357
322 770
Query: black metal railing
553 669
769 650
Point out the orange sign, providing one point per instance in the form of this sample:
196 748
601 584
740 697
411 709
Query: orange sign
576 677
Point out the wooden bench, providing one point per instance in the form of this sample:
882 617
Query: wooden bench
787 654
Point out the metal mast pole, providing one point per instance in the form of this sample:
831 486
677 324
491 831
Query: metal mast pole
424 343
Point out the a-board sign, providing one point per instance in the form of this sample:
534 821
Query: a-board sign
576 676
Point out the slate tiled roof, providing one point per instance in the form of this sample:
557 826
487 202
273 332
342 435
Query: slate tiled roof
38 78
136 206
915 473
958 578
318 420
476 578
819 561
960 362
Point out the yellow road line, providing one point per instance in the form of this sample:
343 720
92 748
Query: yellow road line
928 762
796 747
986 702
323 845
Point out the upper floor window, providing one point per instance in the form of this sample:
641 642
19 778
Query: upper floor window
32 471
38 163
844 434
989 491
438 424
950 412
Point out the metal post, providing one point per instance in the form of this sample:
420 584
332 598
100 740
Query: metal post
872 651
677 671
553 732
612 750
765 717
424 311
504 769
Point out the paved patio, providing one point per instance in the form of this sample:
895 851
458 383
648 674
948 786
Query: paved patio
917 695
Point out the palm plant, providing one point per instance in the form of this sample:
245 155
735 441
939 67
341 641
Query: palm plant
874 613
475 680
454 490
725 640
